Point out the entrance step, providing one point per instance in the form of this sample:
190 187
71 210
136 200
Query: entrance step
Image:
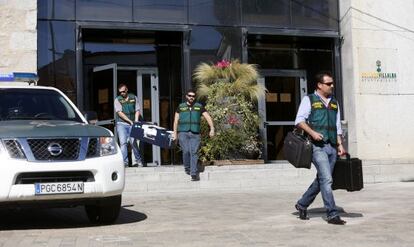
230 177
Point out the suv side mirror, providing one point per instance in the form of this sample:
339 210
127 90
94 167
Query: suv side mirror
91 117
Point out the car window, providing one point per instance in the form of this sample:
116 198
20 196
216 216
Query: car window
35 104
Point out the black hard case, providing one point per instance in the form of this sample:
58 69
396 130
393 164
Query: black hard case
347 174
297 149
152 134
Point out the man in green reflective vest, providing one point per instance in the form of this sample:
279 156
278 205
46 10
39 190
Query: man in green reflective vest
127 112
319 116
187 124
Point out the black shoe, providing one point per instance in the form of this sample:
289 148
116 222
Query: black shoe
187 172
195 178
134 165
303 213
336 221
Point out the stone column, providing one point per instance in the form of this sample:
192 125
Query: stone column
18 36
377 62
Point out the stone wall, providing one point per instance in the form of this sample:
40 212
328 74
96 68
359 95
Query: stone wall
378 36
18 36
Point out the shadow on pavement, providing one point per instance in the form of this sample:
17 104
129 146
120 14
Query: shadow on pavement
58 218
321 213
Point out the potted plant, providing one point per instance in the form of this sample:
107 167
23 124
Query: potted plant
230 91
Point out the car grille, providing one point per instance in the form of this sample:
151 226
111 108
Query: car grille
14 149
92 148
69 148
52 177
52 149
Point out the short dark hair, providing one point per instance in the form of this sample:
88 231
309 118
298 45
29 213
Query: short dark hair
122 85
190 90
319 76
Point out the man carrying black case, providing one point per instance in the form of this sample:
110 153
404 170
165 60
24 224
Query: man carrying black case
318 115
347 174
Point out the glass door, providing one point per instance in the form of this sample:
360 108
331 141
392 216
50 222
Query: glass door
141 81
148 97
285 89
104 86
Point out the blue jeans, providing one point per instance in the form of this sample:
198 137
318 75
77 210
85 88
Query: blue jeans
124 130
190 143
324 158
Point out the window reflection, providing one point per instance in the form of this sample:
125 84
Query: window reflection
213 12
56 56
212 44
266 13
283 52
56 9
131 48
312 14
167 11
102 47
315 13
104 10
271 52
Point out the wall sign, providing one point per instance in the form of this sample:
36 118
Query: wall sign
378 74
378 70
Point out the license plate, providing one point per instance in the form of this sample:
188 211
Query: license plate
58 188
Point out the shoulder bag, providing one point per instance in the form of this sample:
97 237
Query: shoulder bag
297 149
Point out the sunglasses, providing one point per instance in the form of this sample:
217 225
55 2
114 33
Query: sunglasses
122 91
191 95
328 84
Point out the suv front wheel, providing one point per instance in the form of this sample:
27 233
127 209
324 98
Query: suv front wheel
106 211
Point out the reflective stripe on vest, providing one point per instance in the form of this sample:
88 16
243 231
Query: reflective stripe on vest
190 118
323 119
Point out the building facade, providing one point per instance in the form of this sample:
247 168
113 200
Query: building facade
87 47
377 56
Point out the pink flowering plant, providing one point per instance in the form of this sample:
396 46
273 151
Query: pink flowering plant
223 64
230 91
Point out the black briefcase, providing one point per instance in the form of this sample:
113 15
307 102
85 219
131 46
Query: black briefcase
347 174
152 134
297 149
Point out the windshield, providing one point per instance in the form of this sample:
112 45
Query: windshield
35 104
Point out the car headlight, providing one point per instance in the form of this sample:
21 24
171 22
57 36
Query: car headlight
107 146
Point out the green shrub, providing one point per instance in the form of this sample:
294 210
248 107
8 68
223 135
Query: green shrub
230 91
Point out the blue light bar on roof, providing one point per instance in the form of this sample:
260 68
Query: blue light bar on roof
7 77
19 76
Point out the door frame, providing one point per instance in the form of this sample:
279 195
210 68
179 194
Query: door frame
301 74
114 68
155 111
154 84
82 25
153 71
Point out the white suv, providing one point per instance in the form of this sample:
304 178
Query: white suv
50 155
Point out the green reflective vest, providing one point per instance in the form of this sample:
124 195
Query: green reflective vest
190 117
128 107
322 118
